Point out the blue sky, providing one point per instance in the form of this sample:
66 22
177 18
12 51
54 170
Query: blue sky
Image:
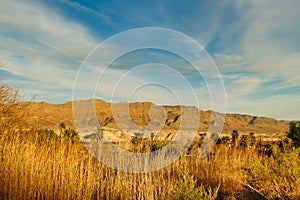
255 45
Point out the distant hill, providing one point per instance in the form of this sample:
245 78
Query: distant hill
48 115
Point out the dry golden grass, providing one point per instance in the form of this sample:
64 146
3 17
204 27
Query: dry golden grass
60 169
38 164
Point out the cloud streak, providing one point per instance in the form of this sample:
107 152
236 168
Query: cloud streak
39 44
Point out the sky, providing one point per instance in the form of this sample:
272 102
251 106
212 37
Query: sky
254 44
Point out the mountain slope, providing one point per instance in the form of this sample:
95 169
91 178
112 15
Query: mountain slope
50 115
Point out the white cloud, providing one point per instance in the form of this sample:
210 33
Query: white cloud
40 44
46 27
230 58
270 41
239 84
264 57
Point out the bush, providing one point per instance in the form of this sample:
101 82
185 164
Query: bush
157 144
277 177
294 133
223 140
137 141
247 140
235 137
187 189
285 144
69 133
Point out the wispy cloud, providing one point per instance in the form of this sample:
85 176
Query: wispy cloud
40 44
261 64
270 40
81 7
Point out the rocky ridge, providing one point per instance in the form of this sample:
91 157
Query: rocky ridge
138 114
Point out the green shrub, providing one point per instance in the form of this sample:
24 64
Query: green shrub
247 140
235 137
187 189
294 133
277 177
69 133
137 141
157 144
223 140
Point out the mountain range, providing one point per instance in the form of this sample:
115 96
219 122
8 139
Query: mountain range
47 115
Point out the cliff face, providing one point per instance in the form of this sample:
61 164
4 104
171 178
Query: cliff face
50 115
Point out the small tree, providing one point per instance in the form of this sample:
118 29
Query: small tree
136 140
285 144
62 127
12 113
235 137
98 134
294 133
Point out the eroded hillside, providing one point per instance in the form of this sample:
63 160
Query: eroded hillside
50 115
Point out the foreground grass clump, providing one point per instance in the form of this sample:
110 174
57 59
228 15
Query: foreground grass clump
61 168
187 189
276 177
